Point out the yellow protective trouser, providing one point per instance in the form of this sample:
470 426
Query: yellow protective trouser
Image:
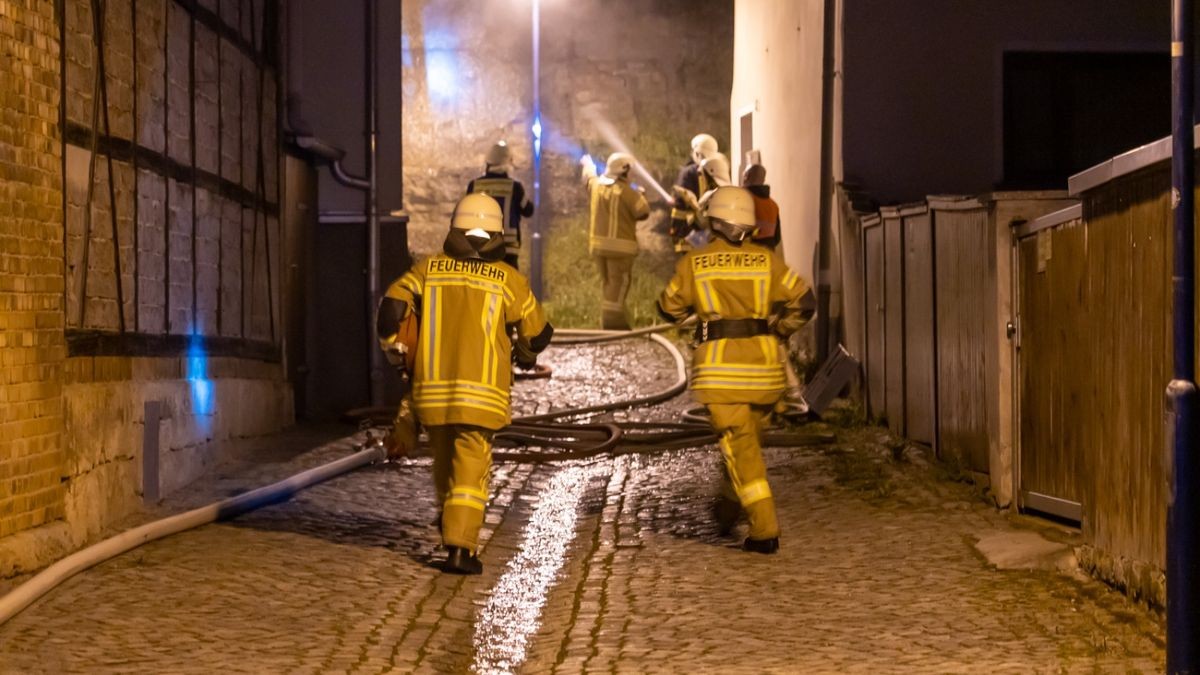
462 467
616 273
740 427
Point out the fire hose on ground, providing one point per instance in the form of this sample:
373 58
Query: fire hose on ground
576 440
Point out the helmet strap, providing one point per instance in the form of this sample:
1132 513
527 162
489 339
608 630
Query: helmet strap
462 247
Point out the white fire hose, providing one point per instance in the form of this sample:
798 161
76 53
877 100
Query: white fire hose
49 578
46 580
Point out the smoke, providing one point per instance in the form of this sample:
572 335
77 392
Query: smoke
609 133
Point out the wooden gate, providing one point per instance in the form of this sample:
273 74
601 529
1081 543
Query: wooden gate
1051 292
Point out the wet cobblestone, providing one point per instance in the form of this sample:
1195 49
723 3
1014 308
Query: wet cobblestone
605 565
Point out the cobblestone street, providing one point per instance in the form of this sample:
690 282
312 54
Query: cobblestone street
605 565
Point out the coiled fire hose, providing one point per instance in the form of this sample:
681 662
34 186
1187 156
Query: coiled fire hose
583 440
577 441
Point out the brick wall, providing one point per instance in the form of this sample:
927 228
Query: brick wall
123 250
32 349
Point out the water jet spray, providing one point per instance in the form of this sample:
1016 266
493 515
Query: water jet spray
610 135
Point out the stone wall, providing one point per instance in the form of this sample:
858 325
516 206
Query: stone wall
103 409
139 254
658 72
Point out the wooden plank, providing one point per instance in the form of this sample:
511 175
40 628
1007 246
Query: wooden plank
1128 337
873 324
894 384
961 261
920 353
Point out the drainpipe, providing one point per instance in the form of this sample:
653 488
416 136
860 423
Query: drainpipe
371 16
825 202
1183 477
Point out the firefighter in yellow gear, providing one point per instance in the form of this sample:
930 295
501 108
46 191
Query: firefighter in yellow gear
615 209
690 185
746 299
469 302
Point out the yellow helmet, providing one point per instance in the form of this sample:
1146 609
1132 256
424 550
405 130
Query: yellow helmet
498 156
716 166
478 211
618 164
703 145
730 211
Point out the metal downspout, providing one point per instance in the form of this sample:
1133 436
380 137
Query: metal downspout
371 17
1183 489
825 202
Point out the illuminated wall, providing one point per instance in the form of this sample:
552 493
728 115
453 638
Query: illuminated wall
777 81
659 72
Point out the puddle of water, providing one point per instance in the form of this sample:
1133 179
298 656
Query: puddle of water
512 615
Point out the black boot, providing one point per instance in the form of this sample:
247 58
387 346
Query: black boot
761 545
726 512
461 561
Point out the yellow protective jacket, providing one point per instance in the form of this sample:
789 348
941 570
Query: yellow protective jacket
727 281
615 210
463 371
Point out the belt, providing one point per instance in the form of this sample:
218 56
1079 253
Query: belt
730 328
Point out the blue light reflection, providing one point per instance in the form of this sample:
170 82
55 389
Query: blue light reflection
537 135
201 388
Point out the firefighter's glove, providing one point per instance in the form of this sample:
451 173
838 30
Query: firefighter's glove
402 439
396 354
686 196
524 357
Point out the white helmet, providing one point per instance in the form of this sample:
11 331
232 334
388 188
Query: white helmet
730 211
499 155
478 214
716 166
618 165
703 145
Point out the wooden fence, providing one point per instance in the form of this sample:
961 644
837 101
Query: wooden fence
1093 305
1027 337
936 303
